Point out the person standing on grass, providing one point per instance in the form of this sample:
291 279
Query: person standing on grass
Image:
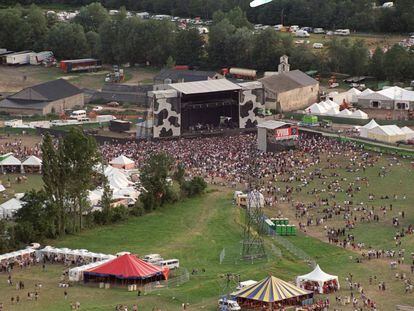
66 295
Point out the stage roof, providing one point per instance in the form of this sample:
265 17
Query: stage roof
271 124
219 85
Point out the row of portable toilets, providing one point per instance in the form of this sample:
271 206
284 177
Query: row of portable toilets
281 226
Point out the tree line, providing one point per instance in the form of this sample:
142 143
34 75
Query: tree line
231 42
70 169
358 15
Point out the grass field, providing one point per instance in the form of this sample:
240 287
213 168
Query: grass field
194 231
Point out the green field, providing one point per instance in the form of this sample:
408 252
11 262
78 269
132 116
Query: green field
195 231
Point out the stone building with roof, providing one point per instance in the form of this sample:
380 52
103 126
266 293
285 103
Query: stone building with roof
50 97
289 90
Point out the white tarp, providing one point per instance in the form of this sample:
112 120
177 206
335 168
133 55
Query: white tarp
32 161
317 275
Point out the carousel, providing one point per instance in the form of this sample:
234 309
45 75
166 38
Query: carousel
272 294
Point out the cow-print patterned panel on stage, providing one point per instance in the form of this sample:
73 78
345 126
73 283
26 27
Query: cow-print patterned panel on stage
167 117
250 103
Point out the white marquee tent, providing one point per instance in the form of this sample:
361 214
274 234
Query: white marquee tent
364 129
8 208
123 162
11 161
345 113
318 276
316 109
32 161
409 133
76 274
2 188
333 111
359 114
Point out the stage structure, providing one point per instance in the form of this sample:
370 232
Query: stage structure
273 136
205 107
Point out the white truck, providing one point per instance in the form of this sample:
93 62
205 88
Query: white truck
342 32
38 58
19 58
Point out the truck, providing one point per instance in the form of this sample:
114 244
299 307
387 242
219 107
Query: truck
39 58
309 120
240 73
76 65
19 58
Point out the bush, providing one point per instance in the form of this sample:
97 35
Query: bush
119 213
193 187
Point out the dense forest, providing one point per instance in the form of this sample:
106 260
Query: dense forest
354 14
231 42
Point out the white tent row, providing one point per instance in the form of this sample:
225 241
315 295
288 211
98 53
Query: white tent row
73 253
12 161
387 133
318 276
350 96
330 108
76 274
10 207
16 254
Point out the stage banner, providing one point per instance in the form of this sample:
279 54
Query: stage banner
286 133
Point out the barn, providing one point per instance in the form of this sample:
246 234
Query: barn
49 97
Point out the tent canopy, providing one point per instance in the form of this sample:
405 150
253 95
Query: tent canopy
359 114
317 275
271 289
9 207
122 160
11 160
32 161
316 109
125 267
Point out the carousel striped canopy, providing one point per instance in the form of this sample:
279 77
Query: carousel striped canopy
271 289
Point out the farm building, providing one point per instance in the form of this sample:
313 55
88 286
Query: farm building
49 97
290 91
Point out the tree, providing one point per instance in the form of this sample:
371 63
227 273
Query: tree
93 43
79 156
154 176
106 201
11 24
92 16
193 187
54 182
396 63
36 219
37 30
188 47
67 41
376 64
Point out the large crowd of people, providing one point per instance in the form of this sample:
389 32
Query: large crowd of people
234 161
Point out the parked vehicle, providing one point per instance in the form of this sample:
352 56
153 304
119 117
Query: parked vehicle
302 34
245 284
240 73
39 58
19 58
97 108
170 263
228 304
78 115
342 32
152 258
278 27
318 30
76 65
317 45
294 28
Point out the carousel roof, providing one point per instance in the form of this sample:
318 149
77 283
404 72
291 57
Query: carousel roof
271 289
